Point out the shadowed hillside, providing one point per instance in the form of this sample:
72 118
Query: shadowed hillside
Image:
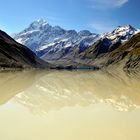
15 55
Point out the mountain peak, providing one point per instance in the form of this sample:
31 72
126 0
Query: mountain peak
41 21
38 23
121 33
125 28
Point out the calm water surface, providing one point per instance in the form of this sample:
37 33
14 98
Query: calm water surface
69 105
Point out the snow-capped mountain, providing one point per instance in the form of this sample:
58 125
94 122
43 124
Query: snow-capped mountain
121 33
55 43
38 34
43 38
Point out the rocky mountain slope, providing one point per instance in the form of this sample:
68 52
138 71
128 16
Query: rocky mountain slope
15 55
126 55
129 51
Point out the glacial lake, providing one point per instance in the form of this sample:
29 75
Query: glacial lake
69 105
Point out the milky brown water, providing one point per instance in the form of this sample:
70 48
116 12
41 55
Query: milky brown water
69 105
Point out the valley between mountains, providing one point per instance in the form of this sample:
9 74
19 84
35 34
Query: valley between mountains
44 46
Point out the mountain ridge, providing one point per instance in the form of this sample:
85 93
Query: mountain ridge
40 35
68 48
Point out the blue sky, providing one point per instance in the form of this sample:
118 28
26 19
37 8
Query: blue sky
95 15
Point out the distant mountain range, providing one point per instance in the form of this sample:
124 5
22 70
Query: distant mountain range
68 48
54 47
43 39
54 42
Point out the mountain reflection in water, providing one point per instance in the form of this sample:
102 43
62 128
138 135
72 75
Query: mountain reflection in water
69 105
43 91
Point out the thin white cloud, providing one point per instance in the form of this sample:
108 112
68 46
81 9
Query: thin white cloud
106 4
